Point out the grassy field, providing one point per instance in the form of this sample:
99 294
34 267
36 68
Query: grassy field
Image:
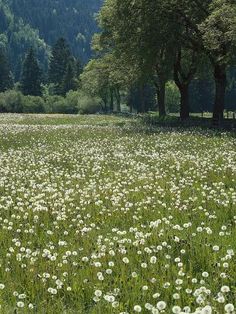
102 215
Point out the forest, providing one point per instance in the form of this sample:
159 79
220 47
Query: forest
161 56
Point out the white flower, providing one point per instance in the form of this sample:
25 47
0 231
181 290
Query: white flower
161 305
205 274
176 309
229 308
137 308
153 260
98 293
20 304
225 289
148 306
125 260
207 310
216 248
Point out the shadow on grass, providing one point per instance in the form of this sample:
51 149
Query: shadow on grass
193 122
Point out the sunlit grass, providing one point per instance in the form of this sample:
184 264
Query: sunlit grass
100 214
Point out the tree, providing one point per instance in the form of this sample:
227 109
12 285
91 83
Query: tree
79 69
185 67
219 38
69 82
102 77
6 80
60 58
146 38
31 77
210 27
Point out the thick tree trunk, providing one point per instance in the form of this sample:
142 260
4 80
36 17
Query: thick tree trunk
220 85
161 95
184 104
183 80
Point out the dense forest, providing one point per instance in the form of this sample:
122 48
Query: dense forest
39 23
166 56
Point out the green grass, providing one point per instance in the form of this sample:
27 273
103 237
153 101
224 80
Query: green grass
105 205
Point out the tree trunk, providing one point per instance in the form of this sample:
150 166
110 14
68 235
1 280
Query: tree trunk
118 100
111 100
184 104
131 108
161 95
142 101
220 85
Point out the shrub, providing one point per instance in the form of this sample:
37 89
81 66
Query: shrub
88 104
55 104
11 101
172 97
33 104
72 98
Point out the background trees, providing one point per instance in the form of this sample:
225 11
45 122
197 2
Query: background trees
157 36
31 78
143 48
39 23
6 79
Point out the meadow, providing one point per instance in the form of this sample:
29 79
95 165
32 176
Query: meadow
102 215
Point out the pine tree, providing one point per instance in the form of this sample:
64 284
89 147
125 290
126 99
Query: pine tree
79 68
69 81
31 75
6 80
59 61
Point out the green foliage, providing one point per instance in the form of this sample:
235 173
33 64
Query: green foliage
72 99
149 37
219 31
55 104
6 79
59 61
69 81
172 97
64 70
39 24
33 104
31 75
88 104
11 101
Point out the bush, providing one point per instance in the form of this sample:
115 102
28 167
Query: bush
11 101
88 104
74 102
33 104
172 97
72 99
55 104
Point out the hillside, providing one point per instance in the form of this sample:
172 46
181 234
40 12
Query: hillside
39 23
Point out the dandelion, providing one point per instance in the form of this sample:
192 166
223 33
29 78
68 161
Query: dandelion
161 305
137 308
20 304
176 309
229 308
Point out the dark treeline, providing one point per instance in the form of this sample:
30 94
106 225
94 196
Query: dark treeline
39 23
55 91
62 76
165 56
152 43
